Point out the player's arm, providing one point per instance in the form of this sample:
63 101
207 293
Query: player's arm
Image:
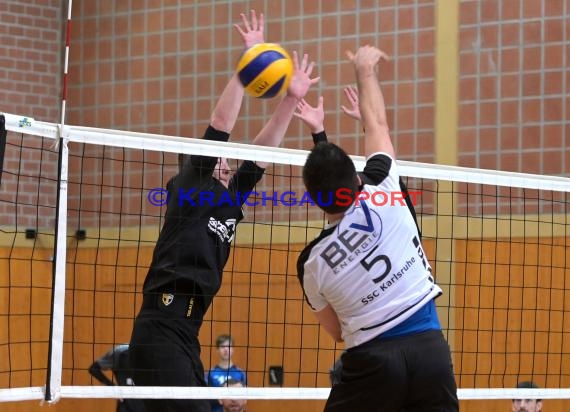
371 101
323 311
96 371
273 132
353 111
226 110
329 320
222 121
377 167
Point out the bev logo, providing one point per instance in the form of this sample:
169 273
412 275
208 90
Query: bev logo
354 241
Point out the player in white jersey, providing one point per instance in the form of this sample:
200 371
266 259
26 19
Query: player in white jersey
366 276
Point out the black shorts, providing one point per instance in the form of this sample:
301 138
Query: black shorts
164 351
403 374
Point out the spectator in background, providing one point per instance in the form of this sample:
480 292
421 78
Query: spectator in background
116 361
233 405
527 405
225 369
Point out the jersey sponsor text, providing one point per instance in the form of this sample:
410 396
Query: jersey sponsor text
383 287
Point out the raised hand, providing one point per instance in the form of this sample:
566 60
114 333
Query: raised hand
366 58
371 100
301 80
351 93
252 32
314 117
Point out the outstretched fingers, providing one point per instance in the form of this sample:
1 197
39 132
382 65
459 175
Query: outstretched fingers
303 66
302 109
245 21
239 29
304 62
351 94
301 80
253 18
295 60
256 23
259 21
308 69
251 29
367 55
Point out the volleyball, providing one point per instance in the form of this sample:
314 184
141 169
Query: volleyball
265 70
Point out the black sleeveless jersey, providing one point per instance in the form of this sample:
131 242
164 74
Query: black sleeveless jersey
199 226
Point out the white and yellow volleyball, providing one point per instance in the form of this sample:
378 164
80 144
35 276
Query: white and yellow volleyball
265 70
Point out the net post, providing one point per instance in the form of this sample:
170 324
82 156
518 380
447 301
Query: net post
55 349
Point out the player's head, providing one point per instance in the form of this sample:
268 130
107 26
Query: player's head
233 405
527 405
224 345
330 178
222 171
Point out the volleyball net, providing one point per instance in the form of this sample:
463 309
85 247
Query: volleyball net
81 210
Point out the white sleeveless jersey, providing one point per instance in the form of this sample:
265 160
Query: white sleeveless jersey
370 266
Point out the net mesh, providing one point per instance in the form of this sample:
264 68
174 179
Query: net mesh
27 213
497 242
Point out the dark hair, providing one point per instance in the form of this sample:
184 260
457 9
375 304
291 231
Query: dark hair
528 385
220 340
328 172
233 381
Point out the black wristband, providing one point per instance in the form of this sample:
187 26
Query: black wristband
320 137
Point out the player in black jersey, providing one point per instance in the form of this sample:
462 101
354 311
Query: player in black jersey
194 243
366 276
